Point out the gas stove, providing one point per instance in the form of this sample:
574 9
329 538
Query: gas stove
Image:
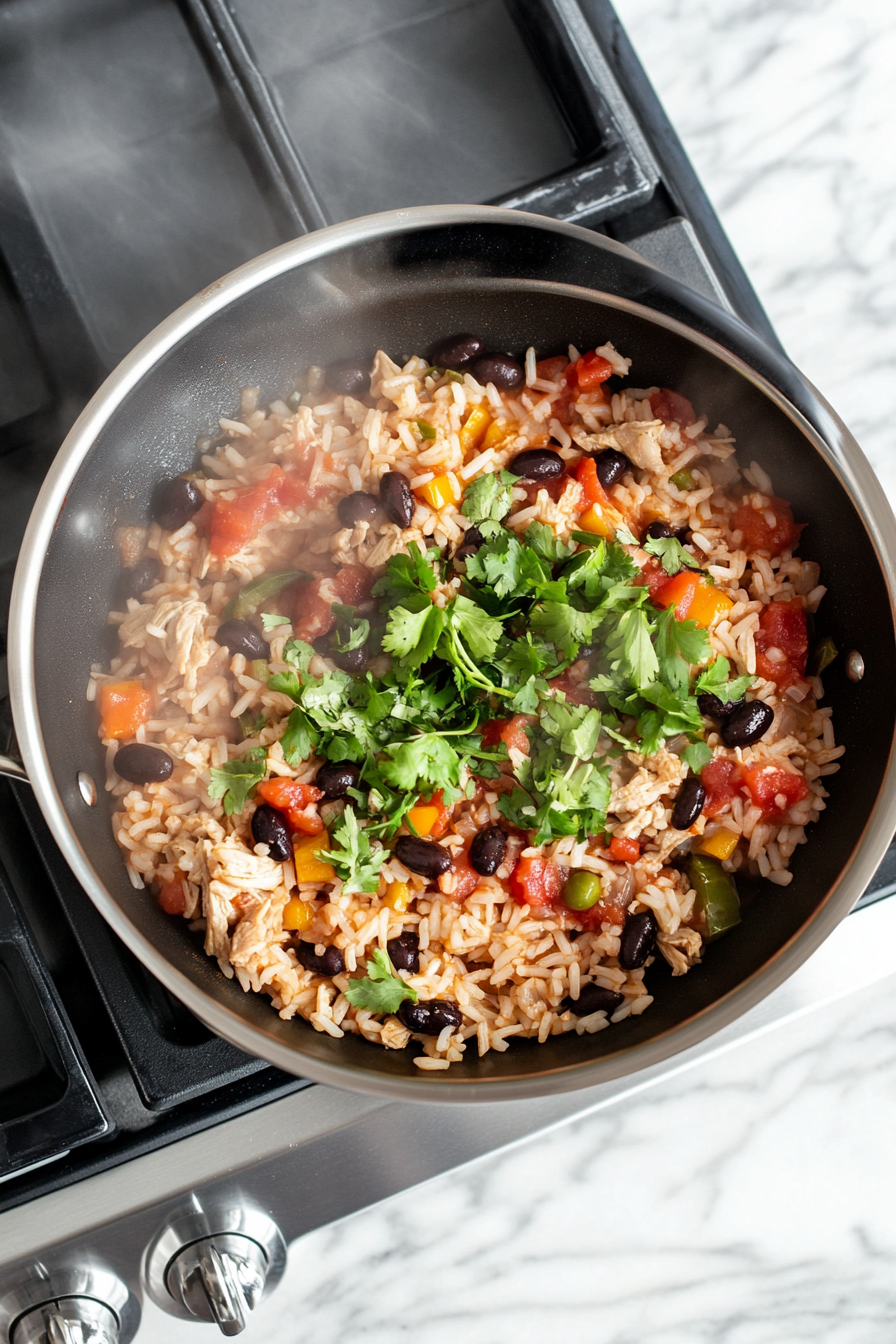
146 148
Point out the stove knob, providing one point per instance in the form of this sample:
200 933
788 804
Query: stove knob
221 1279
68 1320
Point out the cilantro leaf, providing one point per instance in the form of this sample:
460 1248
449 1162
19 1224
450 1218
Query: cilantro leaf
300 738
670 553
406 575
232 781
479 631
577 727
488 497
638 652
678 644
381 990
541 539
624 536
413 635
714 681
566 627
271 619
287 683
506 566
355 861
696 756
425 763
298 653
352 632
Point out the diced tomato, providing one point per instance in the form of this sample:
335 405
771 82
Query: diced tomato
624 851
235 522
775 533
782 625
722 780
352 585
297 801
576 692
313 616
604 912
466 878
551 370
773 789
692 597
171 896
592 490
537 883
443 813
656 579
124 707
592 370
512 732
672 407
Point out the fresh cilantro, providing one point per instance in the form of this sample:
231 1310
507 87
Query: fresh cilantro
678 644
542 541
696 756
233 781
576 726
479 631
300 738
564 626
381 990
271 619
287 683
413 635
298 653
250 724
714 681
425 763
352 632
625 537
355 861
670 553
638 654
507 566
406 575
488 497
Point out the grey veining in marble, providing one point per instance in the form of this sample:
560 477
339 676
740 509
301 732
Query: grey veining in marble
752 1201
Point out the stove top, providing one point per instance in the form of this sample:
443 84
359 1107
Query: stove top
146 148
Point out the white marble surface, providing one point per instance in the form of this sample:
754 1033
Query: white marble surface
752 1201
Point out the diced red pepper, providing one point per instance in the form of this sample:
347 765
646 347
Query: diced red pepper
722 780
537 883
592 370
672 407
512 732
592 490
171 896
782 625
296 801
773 789
624 851
235 522
775 533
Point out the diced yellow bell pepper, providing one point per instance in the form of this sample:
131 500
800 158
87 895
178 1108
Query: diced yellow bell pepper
721 844
441 490
398 896
498 431
297 914
423 818
470 434
309 867
593 520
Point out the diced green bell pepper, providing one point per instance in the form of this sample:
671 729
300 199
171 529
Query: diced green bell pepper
717 898
823 655
248 601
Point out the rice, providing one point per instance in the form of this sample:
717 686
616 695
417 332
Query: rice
512 971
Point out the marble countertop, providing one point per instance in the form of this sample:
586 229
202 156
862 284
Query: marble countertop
749 1201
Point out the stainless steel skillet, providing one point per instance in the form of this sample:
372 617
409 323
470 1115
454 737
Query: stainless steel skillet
400 281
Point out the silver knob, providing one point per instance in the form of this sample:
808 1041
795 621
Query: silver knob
68 1320
220 1279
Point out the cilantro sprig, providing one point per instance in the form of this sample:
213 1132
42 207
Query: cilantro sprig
233 781
381 990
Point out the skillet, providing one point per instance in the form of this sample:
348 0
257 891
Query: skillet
401 281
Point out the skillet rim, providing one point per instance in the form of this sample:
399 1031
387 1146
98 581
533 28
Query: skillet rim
837 447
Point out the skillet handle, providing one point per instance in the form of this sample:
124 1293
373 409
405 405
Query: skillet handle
13 769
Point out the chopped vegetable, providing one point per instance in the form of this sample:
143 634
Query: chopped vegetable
536 882
823 655
671 554
624 851
427 431
770 528
310 866
271 619
234 781
592 370
473 430
775 790
171 896
683 480
594 521
441 490
782 643
354 859
381 990
297 801
720 845
124 706
722 780
297 914
717 903
251 598
398 896
592 490
582 890
693 598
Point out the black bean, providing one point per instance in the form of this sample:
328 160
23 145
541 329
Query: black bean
396 498
404 952
174 502
747 724
504 371
473 539
352 660
593 999
713 708
134 580
456 352
537 464
241 637
335 778
269 828
140 763
330 962
429 1019
638 940
657 530
422 856
688 804
487 851
611 467
349 377
358 507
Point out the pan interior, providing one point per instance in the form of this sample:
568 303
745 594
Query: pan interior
344 306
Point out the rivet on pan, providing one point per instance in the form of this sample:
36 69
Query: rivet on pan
855 665
87 788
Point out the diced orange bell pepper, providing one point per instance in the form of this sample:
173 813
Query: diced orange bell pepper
720 845
124 706
297 914
309 866
592 490
474 428
398 896
441 490
498 431
593 520
429 816
693 598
